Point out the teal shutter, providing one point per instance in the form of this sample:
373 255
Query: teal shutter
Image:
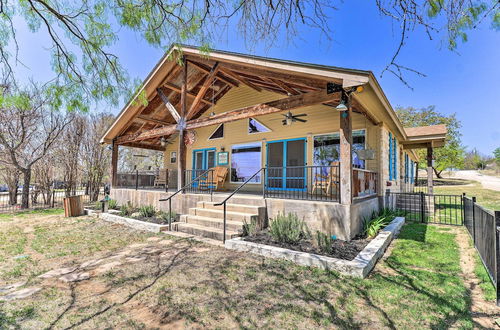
390 156
395 165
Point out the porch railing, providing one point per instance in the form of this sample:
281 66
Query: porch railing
139 180
313 183
188 188
364 182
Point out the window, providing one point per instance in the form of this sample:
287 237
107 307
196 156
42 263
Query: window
173 157
246 159
327 148
218 133
255 126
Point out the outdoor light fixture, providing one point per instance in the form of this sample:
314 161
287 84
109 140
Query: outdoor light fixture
288 121
163 141
212 114
341 106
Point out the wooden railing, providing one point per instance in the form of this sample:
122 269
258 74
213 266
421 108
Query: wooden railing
364 182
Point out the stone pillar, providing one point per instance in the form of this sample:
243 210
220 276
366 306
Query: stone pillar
346 156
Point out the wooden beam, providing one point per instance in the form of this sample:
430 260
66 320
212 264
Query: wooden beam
181 159
143 146
311 82
284 86
114 164
153 120
203 90
189 94
285 104
169 105
345 133
207 69
240 79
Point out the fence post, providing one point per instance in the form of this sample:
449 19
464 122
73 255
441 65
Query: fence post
497 256
422 208
474 220
136 179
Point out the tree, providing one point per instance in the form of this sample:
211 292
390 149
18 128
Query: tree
82 33
96 158
496 154
449 156
28 131
10 175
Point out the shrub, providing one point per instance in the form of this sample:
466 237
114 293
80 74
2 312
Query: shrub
288 229
379 220
324 242
113 204
165 215
127 209
147 211
249 229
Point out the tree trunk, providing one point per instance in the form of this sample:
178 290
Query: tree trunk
26 188
13 196
438 173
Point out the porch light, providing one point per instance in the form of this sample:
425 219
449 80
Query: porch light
341 106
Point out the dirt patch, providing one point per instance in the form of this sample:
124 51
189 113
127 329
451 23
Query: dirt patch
483 312
341 249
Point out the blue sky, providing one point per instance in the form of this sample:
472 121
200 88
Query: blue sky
465 82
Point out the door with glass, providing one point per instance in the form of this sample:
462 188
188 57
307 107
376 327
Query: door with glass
286 161
203 159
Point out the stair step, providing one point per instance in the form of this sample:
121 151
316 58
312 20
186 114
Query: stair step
197 230
211 222
219 214
243 208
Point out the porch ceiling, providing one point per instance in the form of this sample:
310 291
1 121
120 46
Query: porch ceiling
208 80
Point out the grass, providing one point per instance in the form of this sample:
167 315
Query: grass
485 283
195 285
22 214
486 197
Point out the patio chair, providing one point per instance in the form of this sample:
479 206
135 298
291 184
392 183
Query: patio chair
326 183
161 178
215 178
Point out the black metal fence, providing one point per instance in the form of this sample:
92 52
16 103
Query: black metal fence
483 227
47 199
428 208
314 183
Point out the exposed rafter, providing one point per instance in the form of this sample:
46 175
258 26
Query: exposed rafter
219 76
289 103
203 90
153 120
169 105
189 94
241 79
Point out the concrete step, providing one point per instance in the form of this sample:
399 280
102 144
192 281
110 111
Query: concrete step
243 208
197 230
219 214
212 222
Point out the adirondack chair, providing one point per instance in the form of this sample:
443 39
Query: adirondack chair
214 178
326 183
161 178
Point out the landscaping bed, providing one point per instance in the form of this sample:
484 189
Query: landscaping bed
340 249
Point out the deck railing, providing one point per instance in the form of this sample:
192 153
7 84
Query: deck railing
364 182
313 183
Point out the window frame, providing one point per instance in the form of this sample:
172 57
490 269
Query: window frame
338 132
175 158
248 124
215 130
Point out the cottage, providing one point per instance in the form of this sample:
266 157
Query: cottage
319 141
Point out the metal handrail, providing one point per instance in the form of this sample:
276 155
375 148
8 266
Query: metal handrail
169 198
231 195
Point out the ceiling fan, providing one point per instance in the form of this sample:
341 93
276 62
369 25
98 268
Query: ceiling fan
290 118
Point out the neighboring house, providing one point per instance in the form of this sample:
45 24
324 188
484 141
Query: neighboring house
319 141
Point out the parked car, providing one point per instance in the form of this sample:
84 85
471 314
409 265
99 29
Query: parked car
3 188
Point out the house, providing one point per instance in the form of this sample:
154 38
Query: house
319 141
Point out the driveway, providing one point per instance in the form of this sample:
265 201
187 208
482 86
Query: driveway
487 181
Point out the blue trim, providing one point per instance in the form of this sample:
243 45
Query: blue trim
395 159
204 161
283 176
390 156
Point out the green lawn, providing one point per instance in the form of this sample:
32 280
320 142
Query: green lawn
487 198
196 285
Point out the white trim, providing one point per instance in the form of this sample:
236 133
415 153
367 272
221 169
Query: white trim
215 130
248 124
231 161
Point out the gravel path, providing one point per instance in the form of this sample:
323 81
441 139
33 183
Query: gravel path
487 181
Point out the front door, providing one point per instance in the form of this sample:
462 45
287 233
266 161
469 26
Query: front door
286 161
203 159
